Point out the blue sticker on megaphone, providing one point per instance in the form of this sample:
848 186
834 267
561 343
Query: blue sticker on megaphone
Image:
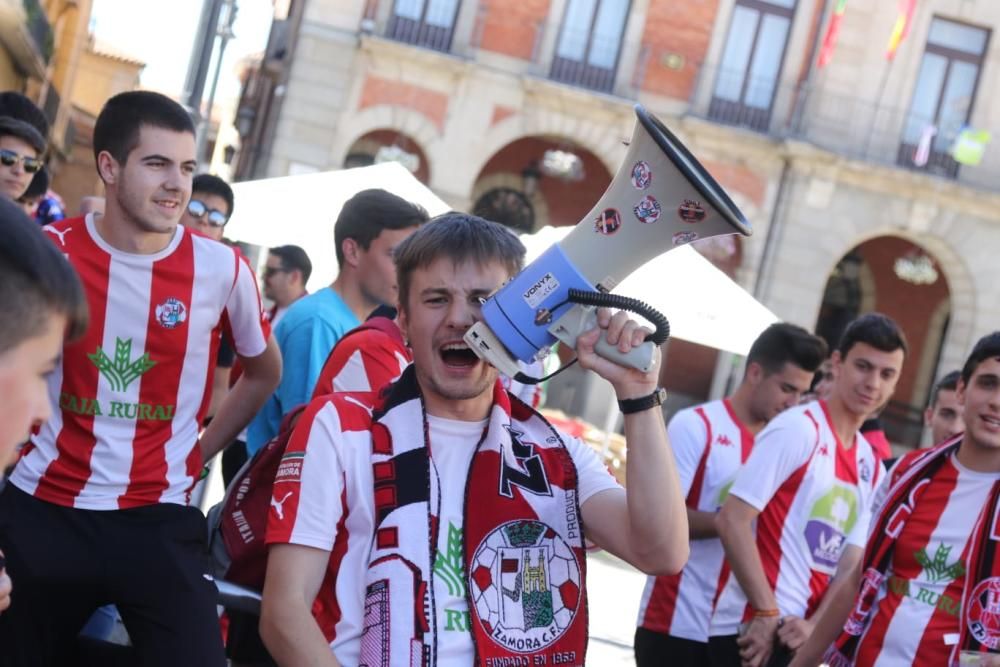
642 175
647 210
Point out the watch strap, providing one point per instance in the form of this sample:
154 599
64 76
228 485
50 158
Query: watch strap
631 405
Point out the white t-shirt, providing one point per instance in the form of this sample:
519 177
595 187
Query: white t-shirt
326 501
814 496
710 443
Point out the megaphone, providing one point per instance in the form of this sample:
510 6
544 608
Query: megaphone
661 198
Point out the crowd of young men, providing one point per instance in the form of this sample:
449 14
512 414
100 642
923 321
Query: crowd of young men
422 513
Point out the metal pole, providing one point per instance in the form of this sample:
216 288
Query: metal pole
201 55
225 34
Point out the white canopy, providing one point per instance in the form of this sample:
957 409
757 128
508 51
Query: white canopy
703 304
301 209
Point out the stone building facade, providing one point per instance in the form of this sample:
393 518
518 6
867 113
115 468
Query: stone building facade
847 172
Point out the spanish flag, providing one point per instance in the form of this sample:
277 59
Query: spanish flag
902 27
832 30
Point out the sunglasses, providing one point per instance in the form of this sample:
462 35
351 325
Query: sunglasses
10 158
271 270
197 209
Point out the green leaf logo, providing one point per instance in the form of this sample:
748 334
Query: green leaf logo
123 370
938 569
449 565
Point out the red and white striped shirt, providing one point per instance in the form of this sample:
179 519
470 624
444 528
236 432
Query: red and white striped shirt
132 392
710 444
915 616
814 497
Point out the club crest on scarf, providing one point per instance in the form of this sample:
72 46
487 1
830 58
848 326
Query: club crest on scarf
983 613
526 585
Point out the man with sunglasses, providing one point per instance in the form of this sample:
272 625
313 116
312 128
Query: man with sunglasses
21 148
210 206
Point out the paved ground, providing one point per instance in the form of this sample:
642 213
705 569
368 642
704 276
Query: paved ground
614 589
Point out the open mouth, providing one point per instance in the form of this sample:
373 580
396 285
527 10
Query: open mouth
992 421
458 355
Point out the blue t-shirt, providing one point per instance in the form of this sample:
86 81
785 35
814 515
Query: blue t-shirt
305 335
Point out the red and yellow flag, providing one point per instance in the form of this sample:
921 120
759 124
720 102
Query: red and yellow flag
902 27
832 30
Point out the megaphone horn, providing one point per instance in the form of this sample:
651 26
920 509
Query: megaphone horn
661 198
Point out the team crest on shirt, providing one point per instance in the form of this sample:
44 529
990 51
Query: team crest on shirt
525 582
831 519
171 313
982 613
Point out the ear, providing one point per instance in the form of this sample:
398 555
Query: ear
754 373
107 168
960 392
928 415
835 362
352 252
403 321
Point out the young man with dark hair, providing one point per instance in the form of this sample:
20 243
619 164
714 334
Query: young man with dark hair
210 207
285 275
943 415
21 151
711 441
443 523
96 511
369 227
922 588
808 486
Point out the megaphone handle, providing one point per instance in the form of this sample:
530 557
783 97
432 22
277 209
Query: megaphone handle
579 319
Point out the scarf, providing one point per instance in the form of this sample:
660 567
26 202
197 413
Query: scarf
524 562
981 589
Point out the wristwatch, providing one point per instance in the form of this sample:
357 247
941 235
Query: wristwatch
631 405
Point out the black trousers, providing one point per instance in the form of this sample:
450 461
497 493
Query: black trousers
654 649
151 562
724 652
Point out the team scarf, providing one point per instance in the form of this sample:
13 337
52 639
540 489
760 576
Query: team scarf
981 589
522 551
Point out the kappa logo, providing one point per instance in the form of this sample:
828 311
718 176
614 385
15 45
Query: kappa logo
61 234
279 505
530 473
824 450
723 439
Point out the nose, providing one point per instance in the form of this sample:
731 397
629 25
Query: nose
462 314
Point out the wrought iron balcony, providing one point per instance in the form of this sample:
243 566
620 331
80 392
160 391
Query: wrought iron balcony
841 123
420 32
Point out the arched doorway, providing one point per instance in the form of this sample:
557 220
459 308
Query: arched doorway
389 145
537 181
903 280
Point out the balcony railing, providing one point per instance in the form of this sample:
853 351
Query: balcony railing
841 123
39 28
420 33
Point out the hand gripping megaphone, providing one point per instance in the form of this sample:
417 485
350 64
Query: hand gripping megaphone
660 198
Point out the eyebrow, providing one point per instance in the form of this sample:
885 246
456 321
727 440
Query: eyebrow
164 158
